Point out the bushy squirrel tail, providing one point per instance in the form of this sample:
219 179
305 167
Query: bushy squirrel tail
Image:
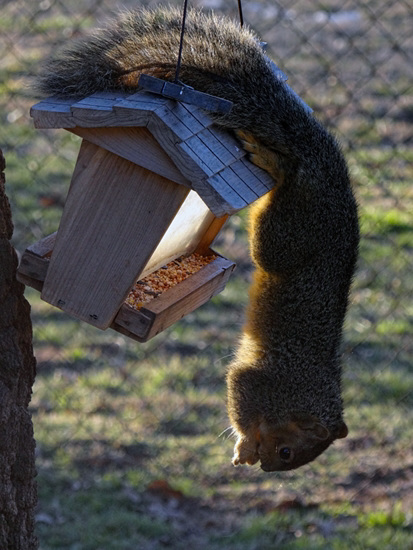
218 58
147 41
143 41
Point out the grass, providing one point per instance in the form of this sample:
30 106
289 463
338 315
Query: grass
133 450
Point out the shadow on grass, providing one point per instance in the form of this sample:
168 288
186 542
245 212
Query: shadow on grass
129 511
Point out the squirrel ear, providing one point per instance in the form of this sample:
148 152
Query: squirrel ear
310 424
342 431
320 431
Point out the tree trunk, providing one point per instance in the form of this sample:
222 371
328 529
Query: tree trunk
18 494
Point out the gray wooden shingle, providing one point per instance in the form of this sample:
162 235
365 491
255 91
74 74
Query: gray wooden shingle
208 156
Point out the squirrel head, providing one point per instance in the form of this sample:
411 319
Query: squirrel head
295 442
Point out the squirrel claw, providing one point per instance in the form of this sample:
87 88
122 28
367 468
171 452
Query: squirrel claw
248 141
235 461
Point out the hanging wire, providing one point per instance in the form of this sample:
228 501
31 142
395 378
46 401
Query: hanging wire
241 17
181 42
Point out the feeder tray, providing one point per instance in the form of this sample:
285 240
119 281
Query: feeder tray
155 180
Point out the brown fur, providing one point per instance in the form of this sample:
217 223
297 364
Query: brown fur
284 395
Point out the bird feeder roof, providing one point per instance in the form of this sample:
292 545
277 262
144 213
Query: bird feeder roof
194 151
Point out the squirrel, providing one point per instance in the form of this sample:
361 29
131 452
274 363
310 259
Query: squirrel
284 382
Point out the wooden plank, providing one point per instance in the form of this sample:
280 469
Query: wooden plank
226 150
183 236
135 324
231 200
44 247
217 267
49 120
142 104
184 93
193 229
115 215
29 281
210 234
35 261
136 145
177 302
53 100
204 156
130 114
186 162
182 113
238 185
228 141
119 95
98 113
169 122
141 100
241 169
129 109
95 103
184 298
142 95
167 308
212 198
84 114
258 179
32 268
101 110
201 116
52 113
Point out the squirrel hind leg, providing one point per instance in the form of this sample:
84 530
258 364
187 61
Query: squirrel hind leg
260 155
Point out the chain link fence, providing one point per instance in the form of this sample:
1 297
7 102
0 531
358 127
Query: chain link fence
141 423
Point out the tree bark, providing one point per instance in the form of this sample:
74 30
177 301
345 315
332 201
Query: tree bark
18 491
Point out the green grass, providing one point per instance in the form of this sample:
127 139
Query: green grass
114 419
301 530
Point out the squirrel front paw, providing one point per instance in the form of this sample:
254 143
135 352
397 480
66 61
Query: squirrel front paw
245 451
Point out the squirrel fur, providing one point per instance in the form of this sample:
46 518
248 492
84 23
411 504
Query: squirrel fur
284 383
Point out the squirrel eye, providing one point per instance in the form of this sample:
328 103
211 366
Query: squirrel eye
285 453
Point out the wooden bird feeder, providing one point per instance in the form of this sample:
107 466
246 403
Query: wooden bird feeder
155 180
